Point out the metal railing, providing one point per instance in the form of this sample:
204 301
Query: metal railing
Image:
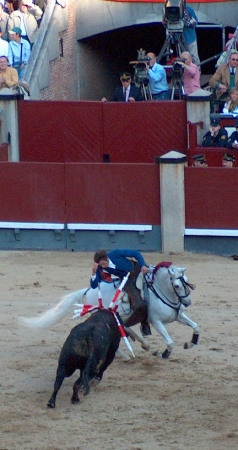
39 40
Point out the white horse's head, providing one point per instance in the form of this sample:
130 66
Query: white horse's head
174 280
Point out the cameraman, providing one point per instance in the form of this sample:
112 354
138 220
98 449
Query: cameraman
191 74
157 79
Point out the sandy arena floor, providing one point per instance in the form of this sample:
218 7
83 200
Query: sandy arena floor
187 402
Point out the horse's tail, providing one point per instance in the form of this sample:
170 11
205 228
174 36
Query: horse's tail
55 314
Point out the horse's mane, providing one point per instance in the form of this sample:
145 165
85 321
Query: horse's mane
165 264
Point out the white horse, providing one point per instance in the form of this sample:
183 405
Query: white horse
169 294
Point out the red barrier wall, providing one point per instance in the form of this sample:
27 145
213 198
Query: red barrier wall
112 193
87 193
32 192
210 198
86 131
60 131
137 132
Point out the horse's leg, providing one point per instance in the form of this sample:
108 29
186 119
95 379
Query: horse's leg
139 338
182 318
160 328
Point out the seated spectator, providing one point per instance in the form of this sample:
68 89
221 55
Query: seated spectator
225 78
228 160
191 74
199 161
216 136
231 105
8 75
157 79
26 18
126 92
19 52
3 45
232 141
3 20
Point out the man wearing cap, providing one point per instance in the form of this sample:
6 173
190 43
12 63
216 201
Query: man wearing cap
3 21
232 141
126 92
26 18
199 161
225 77
157 79
216 136
228 160
8 75
18 52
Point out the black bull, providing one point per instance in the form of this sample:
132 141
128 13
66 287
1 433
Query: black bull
90 347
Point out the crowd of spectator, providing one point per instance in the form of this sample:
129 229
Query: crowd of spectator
19 22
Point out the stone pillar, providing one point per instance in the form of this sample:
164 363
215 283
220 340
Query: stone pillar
198 110
9 122
172 201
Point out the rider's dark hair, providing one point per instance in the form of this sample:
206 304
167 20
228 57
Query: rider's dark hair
100 254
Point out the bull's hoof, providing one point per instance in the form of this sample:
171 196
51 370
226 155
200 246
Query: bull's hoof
51 405
185 346
74 400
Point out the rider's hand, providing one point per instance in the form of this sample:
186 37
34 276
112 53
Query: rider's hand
94 268
144 270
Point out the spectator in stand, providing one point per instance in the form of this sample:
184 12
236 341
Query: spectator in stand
231 105
19 52
199 161
216 136
157 79
228 160
191 74
189 33
3 45
11 5
3 20
8 75
232 141
225 78
126 92
26 18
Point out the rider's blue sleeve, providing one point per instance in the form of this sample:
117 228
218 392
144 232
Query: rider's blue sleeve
95 280
118 257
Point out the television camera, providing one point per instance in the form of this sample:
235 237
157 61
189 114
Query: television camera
174 15
141 78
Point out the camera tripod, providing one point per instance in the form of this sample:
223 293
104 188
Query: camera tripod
177 40
177 84
145 89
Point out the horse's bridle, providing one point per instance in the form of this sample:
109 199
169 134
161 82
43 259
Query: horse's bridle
187 289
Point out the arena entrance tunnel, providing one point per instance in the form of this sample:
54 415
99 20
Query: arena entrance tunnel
104 56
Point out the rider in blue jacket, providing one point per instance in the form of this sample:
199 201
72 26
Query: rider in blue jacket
116 263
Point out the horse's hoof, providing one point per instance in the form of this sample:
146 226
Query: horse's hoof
145 346
74 400
166 354
51 405
157 354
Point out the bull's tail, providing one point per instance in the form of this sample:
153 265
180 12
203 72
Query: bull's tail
55 314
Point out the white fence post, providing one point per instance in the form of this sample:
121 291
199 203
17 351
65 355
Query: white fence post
172 201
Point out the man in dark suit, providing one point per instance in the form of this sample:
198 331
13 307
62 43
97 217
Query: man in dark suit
126 92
